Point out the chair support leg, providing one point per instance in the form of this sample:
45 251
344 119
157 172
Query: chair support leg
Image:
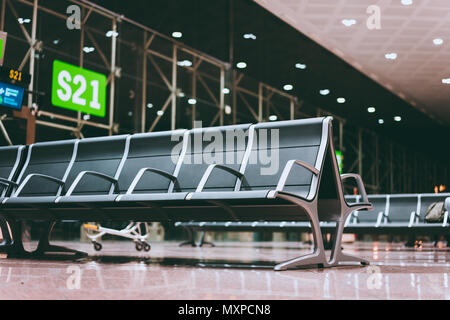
203 242
190 241
5 232
44 246
318 256
337 256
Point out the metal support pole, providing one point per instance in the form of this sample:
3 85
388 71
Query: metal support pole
222 95
144 85
260 102
174 89
5 133
194 93
2 17
32 52
292 109
360 157
113 76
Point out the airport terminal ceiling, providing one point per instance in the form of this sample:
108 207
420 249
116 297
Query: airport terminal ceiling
278 54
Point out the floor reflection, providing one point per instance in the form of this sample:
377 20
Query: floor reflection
231 271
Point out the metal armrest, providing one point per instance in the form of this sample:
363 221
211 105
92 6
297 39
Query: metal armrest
414 218
210 169
157 171
43 176
7 182
360 184
382 215
95 174
287 169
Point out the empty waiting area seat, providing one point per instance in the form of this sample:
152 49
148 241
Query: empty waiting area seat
278 171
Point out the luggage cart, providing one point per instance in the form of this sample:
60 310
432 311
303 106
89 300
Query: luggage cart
137 231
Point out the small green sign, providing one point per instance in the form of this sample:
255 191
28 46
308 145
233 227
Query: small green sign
3 36
340 160
78 89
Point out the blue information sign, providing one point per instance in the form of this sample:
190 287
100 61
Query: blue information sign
11 96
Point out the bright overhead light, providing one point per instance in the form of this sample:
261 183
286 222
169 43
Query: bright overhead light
112 33
227 109
249 36
446 81
56 41
348 22
88 49
181 94
380 121
149 105
371 109
226 91
325 92
273 118
398 118
407 2
184 63
192 101
438 41
160 113
86 117
300 66
22 20
288 87
177 34
341 100
391 56
241 65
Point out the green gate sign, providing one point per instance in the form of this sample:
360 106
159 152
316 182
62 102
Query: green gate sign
78 89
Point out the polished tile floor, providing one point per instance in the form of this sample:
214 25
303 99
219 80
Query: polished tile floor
227 271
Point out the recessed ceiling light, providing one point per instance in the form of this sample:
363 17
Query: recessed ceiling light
56 41
380 121
348 22
438 41
341 100
446 81
86 117
177 34
407 2
149 105
181 94
325 92
391 56
288 87
160 113
226 90
112 33
184 63
227 109
398 118
241 65
273 118
249 36
192 101
300 66
22 20
371 109
88 49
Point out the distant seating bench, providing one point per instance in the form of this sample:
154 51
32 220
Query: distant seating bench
183 176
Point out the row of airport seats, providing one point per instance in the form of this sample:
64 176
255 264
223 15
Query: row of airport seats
392 215
203 174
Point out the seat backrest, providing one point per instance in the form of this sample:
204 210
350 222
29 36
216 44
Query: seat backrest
48 158
401 206
104 155
427 199
379 203
275 143
10 158
224 145
352 199
157 150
